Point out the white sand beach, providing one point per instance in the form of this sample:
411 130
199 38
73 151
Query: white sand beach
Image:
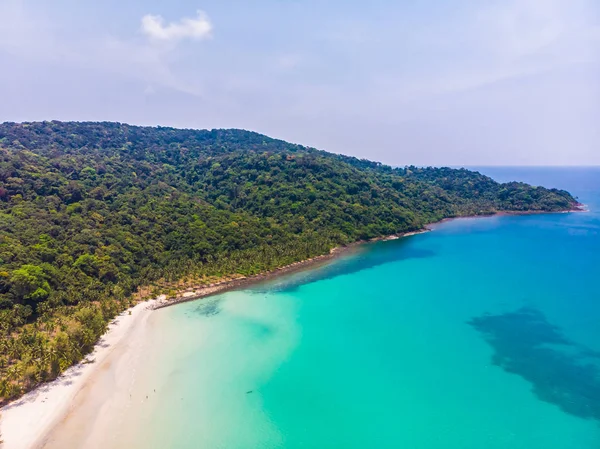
25 423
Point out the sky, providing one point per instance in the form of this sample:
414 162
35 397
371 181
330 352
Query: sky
429 82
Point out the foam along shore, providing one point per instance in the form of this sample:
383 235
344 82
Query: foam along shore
25 422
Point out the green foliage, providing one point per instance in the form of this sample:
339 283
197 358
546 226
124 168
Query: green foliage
93 215
29 283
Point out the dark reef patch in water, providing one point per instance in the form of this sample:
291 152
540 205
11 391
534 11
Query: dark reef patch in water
208 307
561 372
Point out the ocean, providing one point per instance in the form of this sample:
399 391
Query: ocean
484 333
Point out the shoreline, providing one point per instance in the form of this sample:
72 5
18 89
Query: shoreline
195 293
28 421
192 294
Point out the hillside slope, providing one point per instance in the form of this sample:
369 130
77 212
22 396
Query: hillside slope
92 212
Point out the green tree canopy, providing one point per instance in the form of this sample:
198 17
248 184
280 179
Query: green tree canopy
29 283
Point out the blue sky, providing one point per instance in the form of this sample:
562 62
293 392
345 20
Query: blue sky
511 82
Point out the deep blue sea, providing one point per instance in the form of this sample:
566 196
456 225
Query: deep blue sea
483 334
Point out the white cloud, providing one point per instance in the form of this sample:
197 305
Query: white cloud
29 35
187 28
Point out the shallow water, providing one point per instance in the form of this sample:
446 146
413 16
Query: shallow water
482 334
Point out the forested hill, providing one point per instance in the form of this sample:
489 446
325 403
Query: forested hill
92 212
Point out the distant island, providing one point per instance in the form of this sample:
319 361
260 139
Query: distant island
95 217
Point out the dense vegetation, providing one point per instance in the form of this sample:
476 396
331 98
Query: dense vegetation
94 216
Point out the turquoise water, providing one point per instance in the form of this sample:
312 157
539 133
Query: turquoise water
482 334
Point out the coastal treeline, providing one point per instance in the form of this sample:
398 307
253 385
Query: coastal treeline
96 216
